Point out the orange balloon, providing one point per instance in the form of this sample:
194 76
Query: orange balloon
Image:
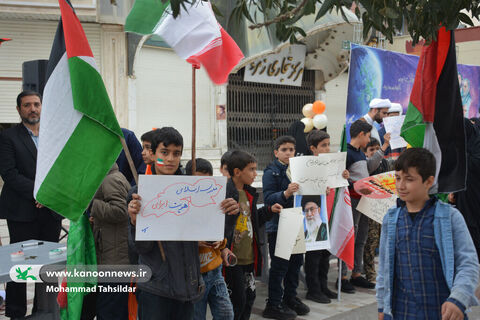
318 107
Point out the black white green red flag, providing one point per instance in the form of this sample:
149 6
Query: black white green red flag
79 137
434 118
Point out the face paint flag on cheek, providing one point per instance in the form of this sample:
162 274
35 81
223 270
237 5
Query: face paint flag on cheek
160 162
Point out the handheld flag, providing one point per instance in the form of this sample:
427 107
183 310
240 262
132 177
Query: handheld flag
195 35
342 231
434 118
79 137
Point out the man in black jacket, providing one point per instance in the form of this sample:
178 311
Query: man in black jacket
26 218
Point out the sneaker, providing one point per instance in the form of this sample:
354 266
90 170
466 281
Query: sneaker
280 312
347 286
298 306
362 282
330 294
319 297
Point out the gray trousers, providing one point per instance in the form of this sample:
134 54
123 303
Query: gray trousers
360 222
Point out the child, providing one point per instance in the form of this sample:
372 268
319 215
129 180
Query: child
374 228
317 262
147 154
109 219
211 256
224 164
245 233
278 188
428 266
360 167
176 280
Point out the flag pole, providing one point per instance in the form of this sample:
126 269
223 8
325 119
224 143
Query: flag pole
129 160
339 278
194 122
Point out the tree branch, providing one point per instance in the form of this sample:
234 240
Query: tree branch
280 18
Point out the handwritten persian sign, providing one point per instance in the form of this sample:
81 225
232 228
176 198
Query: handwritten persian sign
394 125
181 208
380 186
315 173
289 224
376 208
286 67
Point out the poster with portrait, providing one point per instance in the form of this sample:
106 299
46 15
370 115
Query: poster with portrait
315 221
377 73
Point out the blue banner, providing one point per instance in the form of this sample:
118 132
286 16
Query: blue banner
376 73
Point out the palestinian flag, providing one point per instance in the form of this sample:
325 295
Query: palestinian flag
434 118
195 35
79 137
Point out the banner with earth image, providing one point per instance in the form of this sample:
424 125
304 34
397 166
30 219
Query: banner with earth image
377 73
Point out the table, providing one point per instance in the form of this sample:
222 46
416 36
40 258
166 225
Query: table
47 307
35 254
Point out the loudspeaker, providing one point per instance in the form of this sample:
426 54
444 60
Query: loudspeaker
34 75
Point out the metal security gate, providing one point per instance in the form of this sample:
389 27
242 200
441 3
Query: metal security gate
258 113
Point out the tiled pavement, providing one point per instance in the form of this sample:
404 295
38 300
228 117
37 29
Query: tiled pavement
358 306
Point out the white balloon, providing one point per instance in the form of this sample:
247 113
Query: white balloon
320 121
307 110
308 122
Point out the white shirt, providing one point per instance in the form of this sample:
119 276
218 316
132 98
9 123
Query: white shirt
374 132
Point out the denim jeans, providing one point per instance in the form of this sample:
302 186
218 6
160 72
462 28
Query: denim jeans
216 295
282 271
153 307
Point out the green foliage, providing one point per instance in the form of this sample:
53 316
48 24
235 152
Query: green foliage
423 18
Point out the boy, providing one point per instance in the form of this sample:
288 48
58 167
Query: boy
147 154
224 164
109 219
317 262
211 256
428 266
360 167
278 188
245 233
374 228
176 280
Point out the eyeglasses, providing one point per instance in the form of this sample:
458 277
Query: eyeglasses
311 209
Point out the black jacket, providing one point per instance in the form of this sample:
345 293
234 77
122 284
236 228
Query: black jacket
275 182
18 163
258 217
179 276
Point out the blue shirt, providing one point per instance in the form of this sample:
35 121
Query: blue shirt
33 136
419 285
457 252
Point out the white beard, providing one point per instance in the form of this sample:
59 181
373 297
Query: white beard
313 226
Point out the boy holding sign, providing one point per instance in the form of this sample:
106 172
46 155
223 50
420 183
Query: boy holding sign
317 262
278 188
176 279
360 167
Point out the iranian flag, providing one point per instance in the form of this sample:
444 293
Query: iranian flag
342 240
194 34
79 134
342 231
434 118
